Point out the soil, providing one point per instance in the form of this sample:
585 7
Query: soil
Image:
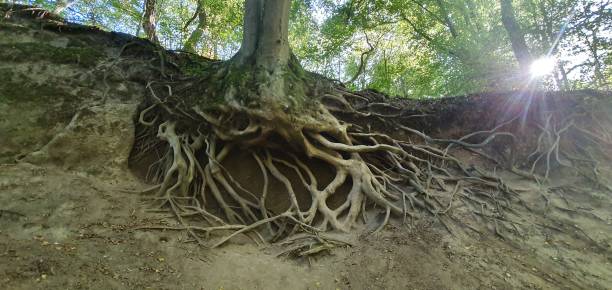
70 217
68 230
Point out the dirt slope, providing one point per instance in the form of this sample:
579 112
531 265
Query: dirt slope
67 230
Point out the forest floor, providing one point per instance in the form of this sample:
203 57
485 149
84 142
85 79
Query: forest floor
69 218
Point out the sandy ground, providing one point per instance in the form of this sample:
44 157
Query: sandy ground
66 230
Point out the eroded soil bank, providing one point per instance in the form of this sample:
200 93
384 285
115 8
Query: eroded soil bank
69 219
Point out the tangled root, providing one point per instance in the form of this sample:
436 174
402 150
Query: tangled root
402 178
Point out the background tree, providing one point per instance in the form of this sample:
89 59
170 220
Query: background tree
516 35
197 33
149 20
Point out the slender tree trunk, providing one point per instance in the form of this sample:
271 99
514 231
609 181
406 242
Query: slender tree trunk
566 85
265 41
593 48
149 19
61 5
517 38
363 61
196 34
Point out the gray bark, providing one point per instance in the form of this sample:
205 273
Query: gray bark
265 41
149 19
517 38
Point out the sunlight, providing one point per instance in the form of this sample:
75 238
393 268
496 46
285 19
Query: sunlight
542 66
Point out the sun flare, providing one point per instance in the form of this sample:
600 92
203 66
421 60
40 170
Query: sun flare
542 66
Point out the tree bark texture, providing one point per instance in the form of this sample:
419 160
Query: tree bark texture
149 19
517 38
265 40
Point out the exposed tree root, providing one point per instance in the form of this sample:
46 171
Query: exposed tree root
406 176
402 178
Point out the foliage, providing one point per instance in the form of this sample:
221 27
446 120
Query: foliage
411 48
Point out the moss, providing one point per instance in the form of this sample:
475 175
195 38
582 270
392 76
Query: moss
6 75
13 27
8 89
301 88
195 68
83 56
14 89
219 78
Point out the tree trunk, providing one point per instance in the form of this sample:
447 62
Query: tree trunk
149 19
61 5
517 38
593 45
566 85
196 34
265 41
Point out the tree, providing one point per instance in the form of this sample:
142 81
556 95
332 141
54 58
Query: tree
517 38
149 19
197 33
61 5
262 102
265 40
265 46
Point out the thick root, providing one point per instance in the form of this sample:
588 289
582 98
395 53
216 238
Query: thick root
400 178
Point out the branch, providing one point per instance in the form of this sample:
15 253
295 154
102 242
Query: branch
363 59
425 36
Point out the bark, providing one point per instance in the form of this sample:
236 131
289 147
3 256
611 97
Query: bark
594 49
61 5
197 33
565 81
265 40
517 38
149 19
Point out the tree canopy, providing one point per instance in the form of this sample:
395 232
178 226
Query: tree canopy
409 48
